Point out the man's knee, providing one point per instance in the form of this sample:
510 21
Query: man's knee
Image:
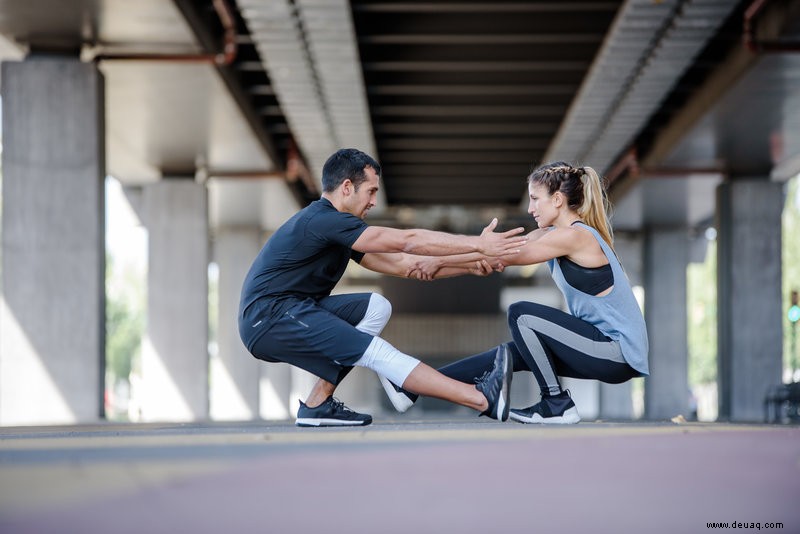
377 315
382 307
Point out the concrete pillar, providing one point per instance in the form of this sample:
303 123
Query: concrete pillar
235 377
277 398
749 295
666 258
616 400
52 338
175 348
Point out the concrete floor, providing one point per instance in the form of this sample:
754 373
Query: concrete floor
458 474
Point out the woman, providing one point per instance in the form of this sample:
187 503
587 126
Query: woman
603 337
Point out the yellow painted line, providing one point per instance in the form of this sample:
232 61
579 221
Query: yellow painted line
408 433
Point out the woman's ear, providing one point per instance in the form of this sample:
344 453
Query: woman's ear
558 199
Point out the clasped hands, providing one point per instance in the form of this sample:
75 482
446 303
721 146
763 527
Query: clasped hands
489 260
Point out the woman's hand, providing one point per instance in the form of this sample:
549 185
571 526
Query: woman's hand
501 243
498 265
424 269
481 268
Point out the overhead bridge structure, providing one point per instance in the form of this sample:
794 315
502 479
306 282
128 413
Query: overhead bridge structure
217 116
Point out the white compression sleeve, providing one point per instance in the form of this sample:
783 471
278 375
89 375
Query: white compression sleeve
386 360
377 315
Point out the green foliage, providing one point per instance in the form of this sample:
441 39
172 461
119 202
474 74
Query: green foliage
701 280
702 299
125 320
791 266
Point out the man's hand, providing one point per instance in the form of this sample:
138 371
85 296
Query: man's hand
424 269
503 243
481 268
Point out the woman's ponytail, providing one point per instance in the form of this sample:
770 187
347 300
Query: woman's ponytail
595 208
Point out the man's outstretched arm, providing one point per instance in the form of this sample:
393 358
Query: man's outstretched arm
422 267
432 243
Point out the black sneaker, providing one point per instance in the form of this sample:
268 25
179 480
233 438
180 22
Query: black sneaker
330 413
496 385
556 410
401 399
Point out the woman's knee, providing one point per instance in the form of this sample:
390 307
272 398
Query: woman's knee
518 309
523 309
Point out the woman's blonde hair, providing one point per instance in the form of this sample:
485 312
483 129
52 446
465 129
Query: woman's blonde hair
583 190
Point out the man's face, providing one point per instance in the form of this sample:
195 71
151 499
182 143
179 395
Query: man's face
360 201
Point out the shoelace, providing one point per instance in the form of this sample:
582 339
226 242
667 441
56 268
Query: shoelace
482 377
339 405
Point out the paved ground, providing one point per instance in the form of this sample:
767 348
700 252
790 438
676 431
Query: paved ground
458 475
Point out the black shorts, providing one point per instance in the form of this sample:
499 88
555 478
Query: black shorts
316 335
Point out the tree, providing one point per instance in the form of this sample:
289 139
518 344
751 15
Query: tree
125 320
790 262
702 318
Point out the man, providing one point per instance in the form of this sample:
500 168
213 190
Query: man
287 314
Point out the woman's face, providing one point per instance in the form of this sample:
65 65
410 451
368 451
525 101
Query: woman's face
542 205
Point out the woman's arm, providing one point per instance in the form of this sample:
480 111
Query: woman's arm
546 244
434 267
429 268
543 244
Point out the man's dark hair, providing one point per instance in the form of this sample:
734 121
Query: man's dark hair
347 163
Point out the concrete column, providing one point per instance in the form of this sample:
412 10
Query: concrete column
235 378
52 338
275 390
666 258
749 295
616 400
175 348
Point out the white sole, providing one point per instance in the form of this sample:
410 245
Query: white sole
304 421
570 417
502 405
400 401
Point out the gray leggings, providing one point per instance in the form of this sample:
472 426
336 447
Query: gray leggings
555 343
551 343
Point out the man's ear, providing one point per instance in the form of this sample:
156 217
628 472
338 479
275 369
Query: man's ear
347 186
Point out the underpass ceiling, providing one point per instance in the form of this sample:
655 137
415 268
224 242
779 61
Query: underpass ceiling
167 120
163 118
466 96
462 97
752 130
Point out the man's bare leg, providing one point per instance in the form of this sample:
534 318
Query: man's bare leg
425 380
319 393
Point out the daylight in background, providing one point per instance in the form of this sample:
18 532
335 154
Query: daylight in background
126 246
126 298
702 310
126 301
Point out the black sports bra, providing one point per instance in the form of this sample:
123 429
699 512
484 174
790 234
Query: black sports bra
590 280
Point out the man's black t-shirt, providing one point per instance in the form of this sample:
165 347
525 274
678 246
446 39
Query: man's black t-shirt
305 257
